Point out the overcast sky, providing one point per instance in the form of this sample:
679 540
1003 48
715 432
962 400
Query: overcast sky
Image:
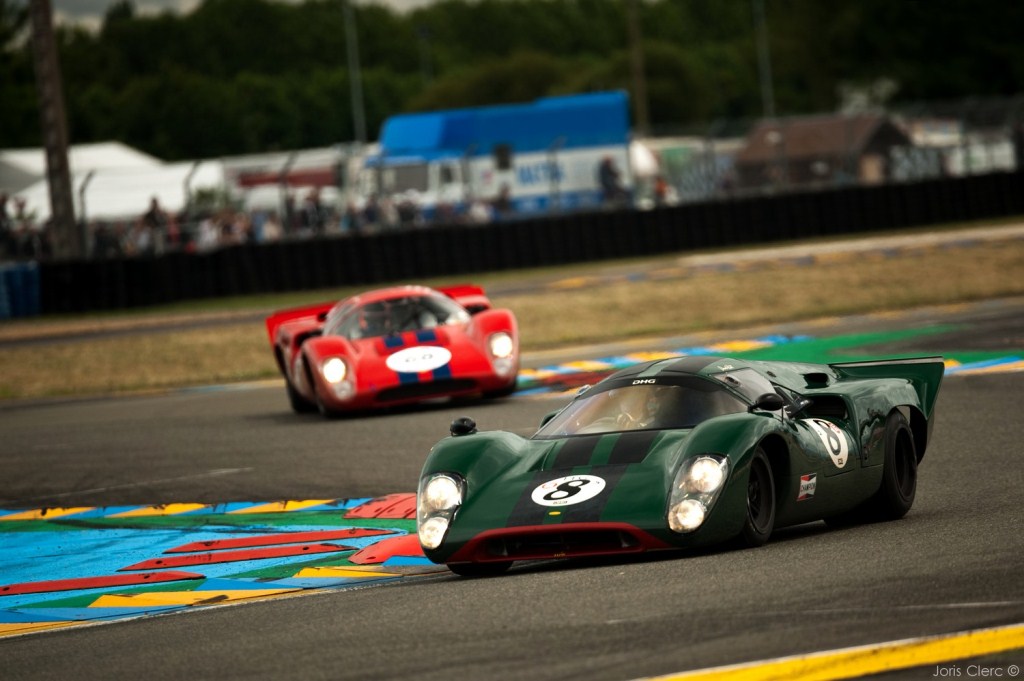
90 12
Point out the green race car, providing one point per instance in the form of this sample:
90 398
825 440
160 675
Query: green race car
680 453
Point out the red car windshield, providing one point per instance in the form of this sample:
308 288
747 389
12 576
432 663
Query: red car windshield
684 403
396 315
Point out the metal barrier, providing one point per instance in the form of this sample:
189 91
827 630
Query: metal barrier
418 253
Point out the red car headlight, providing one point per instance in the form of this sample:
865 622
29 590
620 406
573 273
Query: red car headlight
334 370
501 345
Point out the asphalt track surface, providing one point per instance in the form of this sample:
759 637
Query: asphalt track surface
953 564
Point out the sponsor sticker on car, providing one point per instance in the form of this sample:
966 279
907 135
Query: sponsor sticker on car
808 484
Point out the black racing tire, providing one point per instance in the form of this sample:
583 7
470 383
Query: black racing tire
300 405
321 407
899 472
896 494
761 502
318 402
480 569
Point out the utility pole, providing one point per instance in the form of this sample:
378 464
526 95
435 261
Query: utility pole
636 52
764 60
355 76
67 238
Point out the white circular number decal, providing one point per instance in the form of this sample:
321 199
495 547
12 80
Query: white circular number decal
834 440
569 490
418 359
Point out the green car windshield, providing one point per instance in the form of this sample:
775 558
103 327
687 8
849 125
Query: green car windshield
682 402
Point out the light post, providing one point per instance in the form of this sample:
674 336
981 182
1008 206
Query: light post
764 60
354 73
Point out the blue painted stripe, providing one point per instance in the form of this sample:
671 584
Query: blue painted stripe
407 379
426 336
407 560
442 372
222 584
325 582
81 614
393 341
15 617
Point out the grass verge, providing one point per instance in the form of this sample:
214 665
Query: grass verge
235 349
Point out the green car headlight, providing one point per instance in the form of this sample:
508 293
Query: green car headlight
432 532
439 496
696 486
705 475
441 493
686 516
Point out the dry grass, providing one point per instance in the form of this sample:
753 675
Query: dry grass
718 300
237 350
136 362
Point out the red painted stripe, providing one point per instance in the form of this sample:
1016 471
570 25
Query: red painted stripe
232 556
95 582
391 507
272 539
406 545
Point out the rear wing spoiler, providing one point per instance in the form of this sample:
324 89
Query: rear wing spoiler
468 296
924 373
309 313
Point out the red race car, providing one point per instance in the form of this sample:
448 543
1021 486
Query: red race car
395 346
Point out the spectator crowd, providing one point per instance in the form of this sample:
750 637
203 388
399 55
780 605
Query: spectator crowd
155 231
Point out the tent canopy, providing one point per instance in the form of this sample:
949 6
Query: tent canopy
118 194
21 168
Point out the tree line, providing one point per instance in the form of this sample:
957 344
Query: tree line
250 76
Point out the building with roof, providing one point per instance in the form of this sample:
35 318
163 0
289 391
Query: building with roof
818 150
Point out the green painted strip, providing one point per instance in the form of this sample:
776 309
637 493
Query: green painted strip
604 448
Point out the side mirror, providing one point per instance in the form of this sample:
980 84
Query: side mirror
547 417
463 425
800 405
768 402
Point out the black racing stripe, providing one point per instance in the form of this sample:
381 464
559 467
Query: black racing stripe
590 510
692 364
633 447
576 452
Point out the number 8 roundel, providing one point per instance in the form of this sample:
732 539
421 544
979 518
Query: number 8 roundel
834 439
572 489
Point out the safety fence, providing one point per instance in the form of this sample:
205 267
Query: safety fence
416 253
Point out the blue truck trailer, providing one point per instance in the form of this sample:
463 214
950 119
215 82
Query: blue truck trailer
556 153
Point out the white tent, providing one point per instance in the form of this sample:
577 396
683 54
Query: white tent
21 168
121 193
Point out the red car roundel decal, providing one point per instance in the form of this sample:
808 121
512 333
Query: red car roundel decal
418 359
